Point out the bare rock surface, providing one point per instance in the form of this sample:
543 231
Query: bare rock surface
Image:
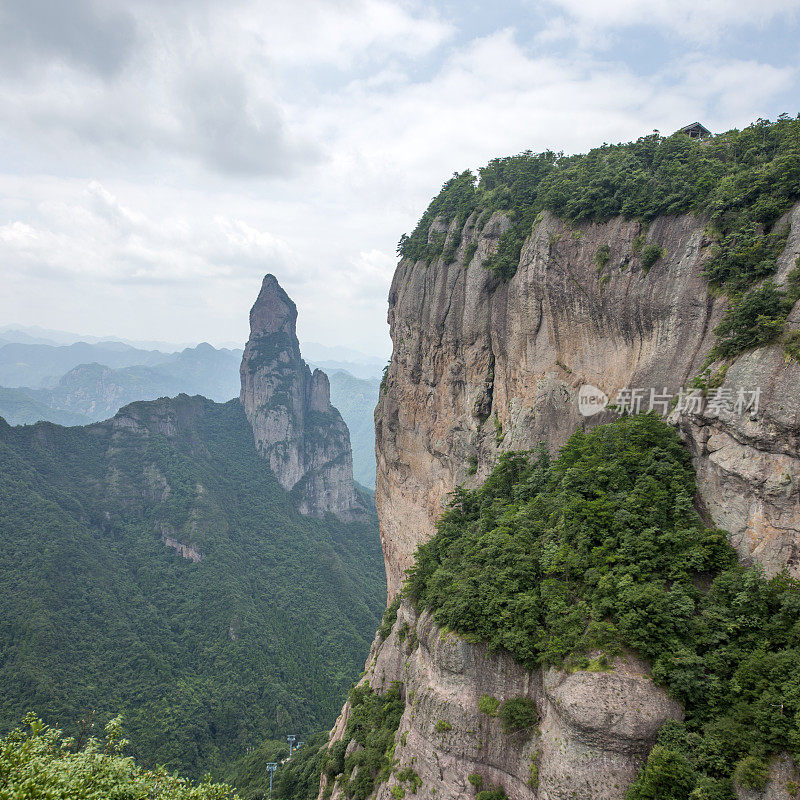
480 366
594 728
783 782
297 430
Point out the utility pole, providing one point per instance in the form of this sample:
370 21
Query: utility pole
291 739
271 767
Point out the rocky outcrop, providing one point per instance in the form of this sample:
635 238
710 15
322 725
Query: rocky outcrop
481 365
296 429
594 728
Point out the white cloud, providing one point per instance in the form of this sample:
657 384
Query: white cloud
89 246
340 34
148 196
696 20
213 85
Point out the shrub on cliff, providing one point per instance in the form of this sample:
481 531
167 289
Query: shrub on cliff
602 548
518 714
369 736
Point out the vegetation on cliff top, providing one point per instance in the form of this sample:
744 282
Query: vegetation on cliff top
740 181
601 549
204 660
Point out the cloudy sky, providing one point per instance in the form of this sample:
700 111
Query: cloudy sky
157 158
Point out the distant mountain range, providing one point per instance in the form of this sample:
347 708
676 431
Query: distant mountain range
34 334
84 382
325 356
343 358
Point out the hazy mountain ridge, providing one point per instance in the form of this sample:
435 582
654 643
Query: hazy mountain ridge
94 391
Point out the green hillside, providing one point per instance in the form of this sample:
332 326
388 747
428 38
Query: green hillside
23 406
601 549
98 616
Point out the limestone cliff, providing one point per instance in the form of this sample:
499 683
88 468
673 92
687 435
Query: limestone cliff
481 365
296 429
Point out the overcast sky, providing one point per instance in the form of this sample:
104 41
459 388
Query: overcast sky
157 157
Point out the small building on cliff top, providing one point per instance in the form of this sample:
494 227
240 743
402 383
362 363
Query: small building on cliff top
696 131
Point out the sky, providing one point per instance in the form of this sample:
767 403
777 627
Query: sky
158 158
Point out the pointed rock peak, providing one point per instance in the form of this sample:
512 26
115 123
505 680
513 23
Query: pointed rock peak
320 392
273 310
301 436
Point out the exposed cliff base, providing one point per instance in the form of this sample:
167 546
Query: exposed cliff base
594 729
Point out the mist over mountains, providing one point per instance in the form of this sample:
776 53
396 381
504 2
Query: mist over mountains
45 376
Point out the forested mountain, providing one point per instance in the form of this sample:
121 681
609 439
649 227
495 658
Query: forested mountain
152 566
91 392
25 406
573 628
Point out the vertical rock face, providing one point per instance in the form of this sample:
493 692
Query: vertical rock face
480 366
594 728
296 429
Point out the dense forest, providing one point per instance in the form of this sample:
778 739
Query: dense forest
739 182
256 634
601 551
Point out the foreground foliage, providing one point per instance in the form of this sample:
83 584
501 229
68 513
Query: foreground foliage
37 763
740 182
260 638
601 549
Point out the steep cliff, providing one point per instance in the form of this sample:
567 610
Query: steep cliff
297 430
488 360
481 365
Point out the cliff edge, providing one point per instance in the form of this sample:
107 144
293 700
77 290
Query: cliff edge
487 360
